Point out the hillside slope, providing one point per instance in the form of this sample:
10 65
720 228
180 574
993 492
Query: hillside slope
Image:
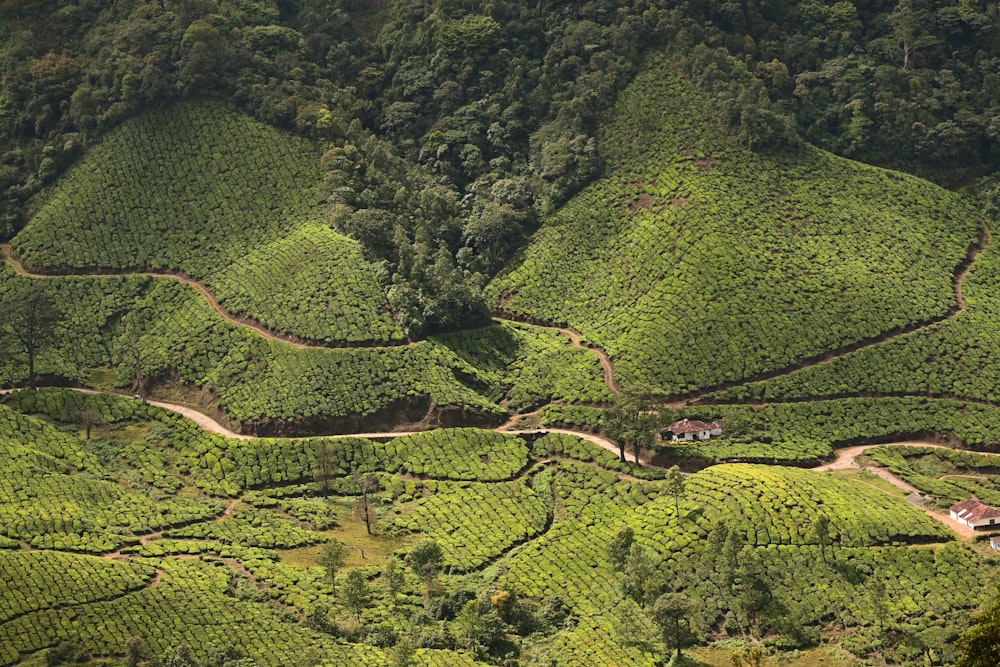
694 261
201 190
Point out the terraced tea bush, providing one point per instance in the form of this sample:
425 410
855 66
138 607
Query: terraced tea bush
798 451
271 387
572 417
39 580
250 527
955 358
780 505
863 420
475 522
313 283
459 454
188 605
191 188
526 366
694 261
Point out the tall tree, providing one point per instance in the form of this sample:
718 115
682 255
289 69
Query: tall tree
366 483
674 483
30 319
393 578
326 466
331 559
619 547
425 558
130 348
823 534
357 594
630 422
670 612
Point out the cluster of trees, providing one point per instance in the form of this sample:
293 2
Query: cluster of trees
450 124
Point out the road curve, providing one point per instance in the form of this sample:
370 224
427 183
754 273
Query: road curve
212 426
241 321
846 459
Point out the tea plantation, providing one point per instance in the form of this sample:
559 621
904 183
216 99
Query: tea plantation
211 194
192 539
455 499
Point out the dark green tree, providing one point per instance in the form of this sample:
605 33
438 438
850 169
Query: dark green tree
356 592
670 613
332 558
980 644
30 321
619 547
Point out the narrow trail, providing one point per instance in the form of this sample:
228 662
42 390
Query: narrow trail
210 299
609 371
575 340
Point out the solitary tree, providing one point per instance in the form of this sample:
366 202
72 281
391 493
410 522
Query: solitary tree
674 482
89 416
331 559
326 466
393 578
403 653
30 319
357 594
130 350
878 597
641 582
133 651
367 483
670 612
425 559
619 547
823 534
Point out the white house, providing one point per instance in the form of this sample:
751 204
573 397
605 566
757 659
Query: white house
692 429
976 514
995 543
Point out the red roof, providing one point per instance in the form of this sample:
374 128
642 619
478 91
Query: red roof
692 426
974 509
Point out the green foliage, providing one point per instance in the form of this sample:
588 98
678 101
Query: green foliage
475 523
950 359
526 366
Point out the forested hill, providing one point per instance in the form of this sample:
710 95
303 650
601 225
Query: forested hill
446 127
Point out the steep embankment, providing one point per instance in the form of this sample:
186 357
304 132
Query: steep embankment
694 262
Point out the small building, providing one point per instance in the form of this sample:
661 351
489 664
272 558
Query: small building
976 514
995 543
692 429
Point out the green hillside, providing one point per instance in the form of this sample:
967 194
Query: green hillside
957 357
214 195
694 261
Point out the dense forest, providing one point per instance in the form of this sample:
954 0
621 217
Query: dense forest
448 127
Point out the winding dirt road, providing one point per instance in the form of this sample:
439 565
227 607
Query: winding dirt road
845 460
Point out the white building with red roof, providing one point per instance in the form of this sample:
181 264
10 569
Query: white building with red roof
976 514
692 429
